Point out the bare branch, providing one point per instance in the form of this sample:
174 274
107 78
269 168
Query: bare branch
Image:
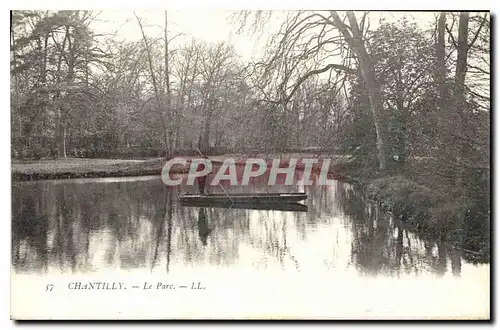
478 31
315 72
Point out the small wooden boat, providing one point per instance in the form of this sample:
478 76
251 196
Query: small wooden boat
289 207
257 198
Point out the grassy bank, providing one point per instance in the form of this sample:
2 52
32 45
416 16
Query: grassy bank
84 168
66 168
433 214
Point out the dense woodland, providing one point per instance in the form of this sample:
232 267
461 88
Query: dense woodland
400 88
401 98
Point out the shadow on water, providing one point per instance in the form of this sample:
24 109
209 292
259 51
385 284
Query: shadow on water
203 229
382 244
88 226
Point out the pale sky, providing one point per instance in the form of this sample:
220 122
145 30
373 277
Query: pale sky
210 25
207 25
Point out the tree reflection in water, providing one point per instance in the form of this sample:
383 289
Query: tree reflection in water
384 245
203 229
88 225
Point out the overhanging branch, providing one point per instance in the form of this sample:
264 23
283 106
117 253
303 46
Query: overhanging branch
478 31
315 72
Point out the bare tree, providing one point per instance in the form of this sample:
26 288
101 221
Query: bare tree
159 104
330 31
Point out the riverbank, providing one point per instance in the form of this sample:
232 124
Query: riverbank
427 211
71 168
434 214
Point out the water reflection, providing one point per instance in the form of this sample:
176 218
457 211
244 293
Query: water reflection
89 226
203 229
382 244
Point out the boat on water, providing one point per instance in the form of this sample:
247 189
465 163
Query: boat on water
242 198
227 204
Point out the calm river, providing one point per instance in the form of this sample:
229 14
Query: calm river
340 259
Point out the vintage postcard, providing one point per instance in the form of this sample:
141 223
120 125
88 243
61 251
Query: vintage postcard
216 164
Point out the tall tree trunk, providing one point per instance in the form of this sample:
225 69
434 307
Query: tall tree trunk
60 118
70 59
446 115
87 73
16 80
460 147
43 75
440 57
282 142
440 73
463 48
61 138
169 111
64 140
356 43
205 141
155 85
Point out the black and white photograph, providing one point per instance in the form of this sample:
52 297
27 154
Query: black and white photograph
217 164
